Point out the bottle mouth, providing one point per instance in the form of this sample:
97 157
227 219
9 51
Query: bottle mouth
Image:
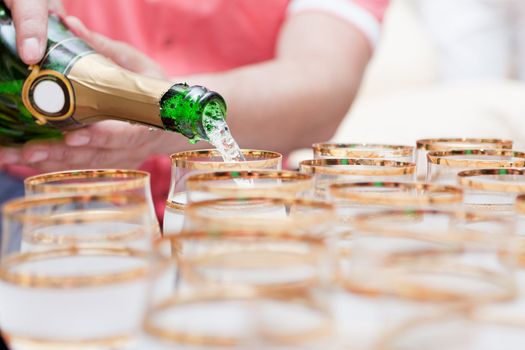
214 112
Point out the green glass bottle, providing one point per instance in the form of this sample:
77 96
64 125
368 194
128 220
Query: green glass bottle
73 86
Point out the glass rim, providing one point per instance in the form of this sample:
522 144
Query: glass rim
295 182
384 167
445 158
437 262
313 240
467 178
260 224
170 334
44 183
322 148
14 210
37 280
455 194
364 223
315 248
462 312
200 159
431 144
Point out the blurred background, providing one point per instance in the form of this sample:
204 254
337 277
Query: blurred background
443 68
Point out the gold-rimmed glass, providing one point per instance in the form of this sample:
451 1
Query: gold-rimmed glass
262 214
359 197
472 230
416 263
424 146
252 305
443 167
73 271
330 170
267 261
94 181
240 319
246 184
185 164
492 189
400 153
356 198
386 235
459 329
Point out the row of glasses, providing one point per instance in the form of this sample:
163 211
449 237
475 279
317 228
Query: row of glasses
108 232
472 260
248 258
254 267
448 263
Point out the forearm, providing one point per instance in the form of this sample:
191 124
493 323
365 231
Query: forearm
300 96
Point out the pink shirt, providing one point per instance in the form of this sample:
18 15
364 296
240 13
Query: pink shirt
199 36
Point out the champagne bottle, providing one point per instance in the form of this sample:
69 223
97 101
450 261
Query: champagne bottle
74 86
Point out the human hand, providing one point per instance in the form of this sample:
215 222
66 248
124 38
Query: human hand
30 19
108 144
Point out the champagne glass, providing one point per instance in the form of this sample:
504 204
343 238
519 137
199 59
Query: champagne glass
73 271
94 181
246 184
407 264
444 166
248 307
261 214
331 170
352 199
459 329
424 146
185 164
400 153
492 189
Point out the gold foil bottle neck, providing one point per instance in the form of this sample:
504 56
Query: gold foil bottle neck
103 90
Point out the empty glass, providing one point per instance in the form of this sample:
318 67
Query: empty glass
330 170
457 330
352 199
73 271
398 153
94 181
292 216
361 197
245 184
185 164
492 189
443 167
248 291
407 264
446 144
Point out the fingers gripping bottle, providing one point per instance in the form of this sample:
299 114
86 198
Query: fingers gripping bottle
74 86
